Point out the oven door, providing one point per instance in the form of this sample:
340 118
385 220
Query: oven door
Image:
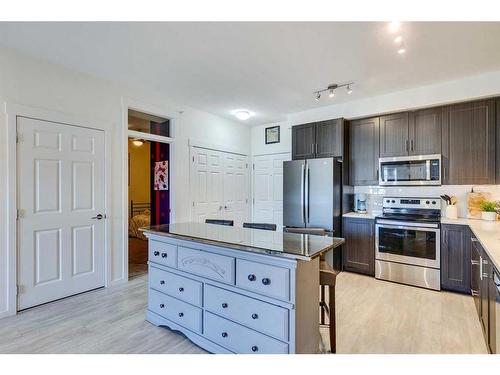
409 243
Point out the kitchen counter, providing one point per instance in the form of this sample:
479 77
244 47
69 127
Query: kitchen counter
487 232
357 215
288 245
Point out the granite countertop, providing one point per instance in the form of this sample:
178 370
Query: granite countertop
289 245
357 215
487 232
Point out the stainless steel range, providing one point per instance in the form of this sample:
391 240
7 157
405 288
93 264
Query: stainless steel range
407 241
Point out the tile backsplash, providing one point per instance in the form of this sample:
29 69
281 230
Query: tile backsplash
374 194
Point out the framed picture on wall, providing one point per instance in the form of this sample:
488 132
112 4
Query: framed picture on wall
273 135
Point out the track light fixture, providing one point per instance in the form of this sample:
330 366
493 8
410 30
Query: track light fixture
332 87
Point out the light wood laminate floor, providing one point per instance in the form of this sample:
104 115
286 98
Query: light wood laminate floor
373 317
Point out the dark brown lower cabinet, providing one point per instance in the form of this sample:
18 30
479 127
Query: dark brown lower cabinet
455 258
358 253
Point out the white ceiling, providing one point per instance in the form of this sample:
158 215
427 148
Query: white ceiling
269 68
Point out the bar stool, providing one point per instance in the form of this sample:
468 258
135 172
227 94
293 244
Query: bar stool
228 223
263 226
327 279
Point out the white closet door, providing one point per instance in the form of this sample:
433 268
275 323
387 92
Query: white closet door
207 179
235 188
268 188
60 192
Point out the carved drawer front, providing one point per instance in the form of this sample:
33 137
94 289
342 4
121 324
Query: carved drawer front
213 266
261 278
177 311
240 339
259 315
163 253
176 286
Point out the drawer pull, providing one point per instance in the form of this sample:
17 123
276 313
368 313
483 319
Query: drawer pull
224 305
255 348
181 289
255 316
474 262
181 315
156 253
224 334
266 281
251 277
162 282
163 255
162 305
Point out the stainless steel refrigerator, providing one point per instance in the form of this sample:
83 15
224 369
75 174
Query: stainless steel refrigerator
312 194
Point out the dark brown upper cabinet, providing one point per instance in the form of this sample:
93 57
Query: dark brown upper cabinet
455 258
322 139
425 131
303 141
469 132
358 252
364 151
394 135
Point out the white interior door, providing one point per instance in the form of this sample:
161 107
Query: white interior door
268 188
207 178
219 186
235 188
61 189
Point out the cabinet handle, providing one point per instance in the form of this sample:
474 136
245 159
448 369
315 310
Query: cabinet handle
254 316
316 148
312 148
266 281
411 145
474 262
406 145
156 253
162 305
181 289
163 255
181 315
224 334
224 305
251 277
474 239
474 293
162 282
255 348
485 275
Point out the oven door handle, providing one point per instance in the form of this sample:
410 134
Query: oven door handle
399 225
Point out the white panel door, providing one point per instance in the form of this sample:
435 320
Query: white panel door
207 178
268 188
60 192
235 188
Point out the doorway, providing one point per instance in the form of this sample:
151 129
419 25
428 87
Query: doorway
148 184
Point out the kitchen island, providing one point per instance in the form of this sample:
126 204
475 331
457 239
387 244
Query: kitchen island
236 290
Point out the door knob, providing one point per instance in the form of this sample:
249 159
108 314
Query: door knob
98 217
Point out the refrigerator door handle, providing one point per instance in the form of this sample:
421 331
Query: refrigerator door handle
307 195
302 192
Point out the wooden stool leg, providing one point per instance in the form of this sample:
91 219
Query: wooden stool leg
332 320
322 301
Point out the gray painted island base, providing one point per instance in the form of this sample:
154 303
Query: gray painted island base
232 301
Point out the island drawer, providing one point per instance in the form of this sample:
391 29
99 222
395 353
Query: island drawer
262 278
259 315
177 311
176 286
213 266
240 339
163 253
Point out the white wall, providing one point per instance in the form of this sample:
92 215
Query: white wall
258 140
30 82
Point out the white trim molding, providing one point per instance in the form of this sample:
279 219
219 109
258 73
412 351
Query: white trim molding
216 147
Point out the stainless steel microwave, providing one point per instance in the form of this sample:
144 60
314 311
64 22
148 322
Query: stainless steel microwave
410 170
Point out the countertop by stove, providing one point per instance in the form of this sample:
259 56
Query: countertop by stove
289 245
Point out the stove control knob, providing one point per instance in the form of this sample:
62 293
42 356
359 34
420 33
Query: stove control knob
433 202
388 201
393 201
427 202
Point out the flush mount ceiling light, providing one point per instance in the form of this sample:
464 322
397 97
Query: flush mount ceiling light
137 142
394 26
242 114
331 88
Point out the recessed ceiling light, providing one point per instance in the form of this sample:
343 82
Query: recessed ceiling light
394 26
401 50
242 115
398 39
